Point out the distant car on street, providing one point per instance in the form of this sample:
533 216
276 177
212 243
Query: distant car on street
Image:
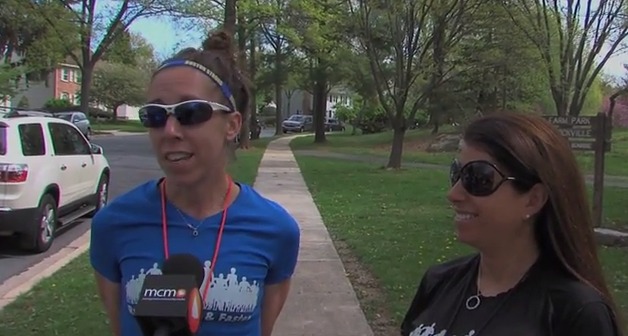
298 123
334 125
79 119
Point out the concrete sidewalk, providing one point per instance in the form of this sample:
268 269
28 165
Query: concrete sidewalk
322 300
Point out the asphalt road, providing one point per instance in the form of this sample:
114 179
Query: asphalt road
131 160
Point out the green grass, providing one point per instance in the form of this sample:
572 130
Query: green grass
120 125
66 304
379 145
398 223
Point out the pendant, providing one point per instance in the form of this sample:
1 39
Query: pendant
473 302
195 233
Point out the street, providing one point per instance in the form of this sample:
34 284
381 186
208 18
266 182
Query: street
131 160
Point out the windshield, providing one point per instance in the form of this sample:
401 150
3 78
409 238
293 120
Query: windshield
3 140
295 117
67 117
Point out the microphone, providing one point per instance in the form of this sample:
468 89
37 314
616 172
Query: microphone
170 304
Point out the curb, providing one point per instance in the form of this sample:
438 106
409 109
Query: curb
21 283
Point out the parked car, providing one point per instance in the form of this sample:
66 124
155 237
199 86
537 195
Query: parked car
298 123
27 113
79 119
50 175
334 125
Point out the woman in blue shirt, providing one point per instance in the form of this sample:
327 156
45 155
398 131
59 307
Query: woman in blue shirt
247 243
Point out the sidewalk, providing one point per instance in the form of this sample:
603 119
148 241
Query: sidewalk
322 300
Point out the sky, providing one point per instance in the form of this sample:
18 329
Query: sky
166 38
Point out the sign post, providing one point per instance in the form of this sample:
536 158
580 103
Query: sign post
589 134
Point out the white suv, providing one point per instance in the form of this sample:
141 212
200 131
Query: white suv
50 175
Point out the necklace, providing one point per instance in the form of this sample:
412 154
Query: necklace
223 220
193 228
474 301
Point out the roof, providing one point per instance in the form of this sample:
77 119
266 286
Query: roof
28 119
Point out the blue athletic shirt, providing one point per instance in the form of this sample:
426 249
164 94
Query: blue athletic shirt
259 247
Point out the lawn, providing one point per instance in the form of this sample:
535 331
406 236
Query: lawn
415 141
66 303
397 223
120 125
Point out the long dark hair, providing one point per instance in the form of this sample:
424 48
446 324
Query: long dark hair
531 147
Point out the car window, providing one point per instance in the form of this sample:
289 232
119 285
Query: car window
295 117
3 139
66 140
32 139
81 116
65 116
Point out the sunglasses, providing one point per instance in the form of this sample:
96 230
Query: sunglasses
187 113
479 178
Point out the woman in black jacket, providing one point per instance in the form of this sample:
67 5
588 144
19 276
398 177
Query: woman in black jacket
520 200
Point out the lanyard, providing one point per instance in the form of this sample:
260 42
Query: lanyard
223 220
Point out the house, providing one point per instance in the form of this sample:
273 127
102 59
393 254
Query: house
300 101
63 82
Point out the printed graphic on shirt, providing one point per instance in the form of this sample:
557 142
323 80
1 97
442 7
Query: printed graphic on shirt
430 330
230 299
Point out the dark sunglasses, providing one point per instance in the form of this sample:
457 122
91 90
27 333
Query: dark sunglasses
187 113
479 178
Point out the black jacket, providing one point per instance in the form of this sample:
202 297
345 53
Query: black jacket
547 303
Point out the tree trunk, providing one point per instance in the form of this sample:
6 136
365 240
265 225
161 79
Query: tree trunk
245 129
252 74
320 100
394 160
278 91
230 16
86 86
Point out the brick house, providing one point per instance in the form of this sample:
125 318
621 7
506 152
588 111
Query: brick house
63 82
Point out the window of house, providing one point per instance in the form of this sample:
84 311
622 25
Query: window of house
77 76
65 75
65 95
331 98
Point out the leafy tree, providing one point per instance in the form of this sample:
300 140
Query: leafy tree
408 43
575 42
99 25
8 77
118 84
24 32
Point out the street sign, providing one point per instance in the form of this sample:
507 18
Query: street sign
582 132
589 134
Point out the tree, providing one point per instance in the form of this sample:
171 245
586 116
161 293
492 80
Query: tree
113 18
26 34
118 84
132 49
571 39
8 77
407 43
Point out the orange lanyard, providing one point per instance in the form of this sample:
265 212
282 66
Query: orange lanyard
223 220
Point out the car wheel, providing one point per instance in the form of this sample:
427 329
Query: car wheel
301 129
44 225
102 194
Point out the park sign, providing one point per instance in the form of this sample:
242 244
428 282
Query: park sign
582 132
589 134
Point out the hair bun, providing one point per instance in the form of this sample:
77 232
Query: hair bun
220 40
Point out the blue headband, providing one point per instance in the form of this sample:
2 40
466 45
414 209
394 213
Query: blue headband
221 84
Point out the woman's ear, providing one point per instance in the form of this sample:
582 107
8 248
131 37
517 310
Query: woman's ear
234 124
536 198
